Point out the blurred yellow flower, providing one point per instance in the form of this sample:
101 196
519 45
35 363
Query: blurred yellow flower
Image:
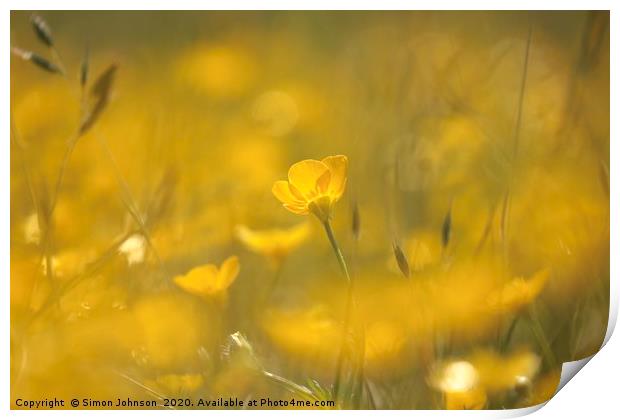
384 344
459 382
568 231
313 186
504 372
518 293
222 71
275 244
207 280
467 383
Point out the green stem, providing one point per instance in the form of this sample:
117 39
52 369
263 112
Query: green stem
347 319
358 381
505 341
46 245
61 173
128 199
339 256
299 390
540 336
59 61
89 270
371 399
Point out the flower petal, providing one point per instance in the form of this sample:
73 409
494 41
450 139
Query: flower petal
298 195
322 184
199 281
251 238
338 168
282 191
228 272
273 242
305 174
297 209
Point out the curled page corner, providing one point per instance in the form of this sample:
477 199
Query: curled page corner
521 412
569 370
613 312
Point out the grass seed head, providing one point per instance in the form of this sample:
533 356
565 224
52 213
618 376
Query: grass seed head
401 259
42 30
39 61
100 93
446 228
84 68
355 221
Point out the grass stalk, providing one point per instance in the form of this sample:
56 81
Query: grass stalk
347 315
505 341
128 199
299 390
21 150
90 269
541 338
46 243
516 141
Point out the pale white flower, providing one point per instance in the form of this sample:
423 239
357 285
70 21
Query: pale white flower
134 249
457 376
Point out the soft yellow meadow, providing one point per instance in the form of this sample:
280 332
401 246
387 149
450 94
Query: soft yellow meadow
361 210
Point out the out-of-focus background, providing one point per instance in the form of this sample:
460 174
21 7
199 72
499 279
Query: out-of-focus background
478 146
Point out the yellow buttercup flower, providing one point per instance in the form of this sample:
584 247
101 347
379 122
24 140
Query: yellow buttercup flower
207 280
518 293
313 186
275 244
